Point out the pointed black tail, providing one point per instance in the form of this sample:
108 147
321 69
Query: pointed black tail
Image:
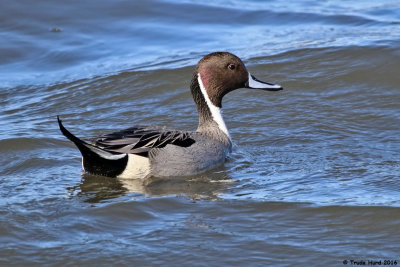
78 142
96 160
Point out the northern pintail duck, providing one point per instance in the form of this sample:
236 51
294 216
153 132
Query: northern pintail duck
143 151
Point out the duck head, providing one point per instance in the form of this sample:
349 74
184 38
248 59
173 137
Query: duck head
216 75
222 72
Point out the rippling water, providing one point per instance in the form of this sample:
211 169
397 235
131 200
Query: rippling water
314 174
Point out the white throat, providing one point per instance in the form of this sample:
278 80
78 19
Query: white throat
215 111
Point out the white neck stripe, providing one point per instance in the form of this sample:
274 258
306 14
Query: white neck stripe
215 111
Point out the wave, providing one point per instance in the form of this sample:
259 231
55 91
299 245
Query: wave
162 34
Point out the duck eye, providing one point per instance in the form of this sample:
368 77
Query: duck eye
231 66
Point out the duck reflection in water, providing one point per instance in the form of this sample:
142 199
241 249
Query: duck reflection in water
95 189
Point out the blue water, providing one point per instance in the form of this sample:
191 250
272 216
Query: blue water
314 174
66 40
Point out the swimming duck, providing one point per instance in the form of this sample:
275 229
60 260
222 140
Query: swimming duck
144 151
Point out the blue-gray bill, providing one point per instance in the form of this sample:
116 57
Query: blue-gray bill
254 83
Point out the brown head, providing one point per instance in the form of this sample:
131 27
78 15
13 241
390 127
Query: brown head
223 72
216 75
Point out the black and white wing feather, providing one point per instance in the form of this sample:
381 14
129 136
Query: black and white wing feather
141 139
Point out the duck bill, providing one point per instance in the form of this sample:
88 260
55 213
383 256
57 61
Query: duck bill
254 83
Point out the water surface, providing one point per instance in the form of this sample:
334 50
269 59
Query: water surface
314 173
